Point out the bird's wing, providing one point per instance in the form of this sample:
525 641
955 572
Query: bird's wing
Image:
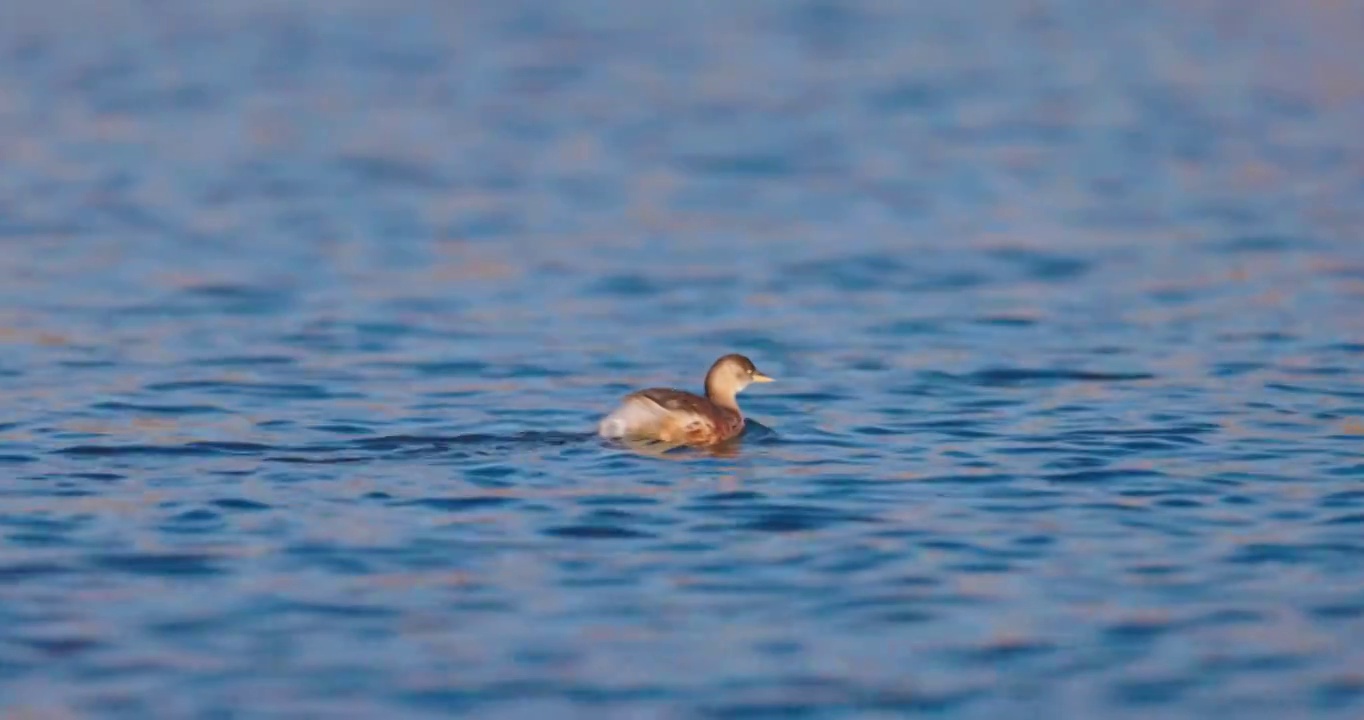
678 401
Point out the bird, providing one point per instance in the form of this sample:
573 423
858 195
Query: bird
677 417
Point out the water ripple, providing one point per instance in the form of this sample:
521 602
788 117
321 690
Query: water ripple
308 316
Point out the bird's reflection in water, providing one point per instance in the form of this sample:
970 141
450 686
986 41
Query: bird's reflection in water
673 451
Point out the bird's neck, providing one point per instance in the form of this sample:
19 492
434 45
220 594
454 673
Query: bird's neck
722 396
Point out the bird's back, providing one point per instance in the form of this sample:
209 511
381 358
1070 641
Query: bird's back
672 416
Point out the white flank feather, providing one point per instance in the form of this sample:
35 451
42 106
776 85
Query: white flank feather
636 417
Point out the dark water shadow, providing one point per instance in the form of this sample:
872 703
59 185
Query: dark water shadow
407 447
428 446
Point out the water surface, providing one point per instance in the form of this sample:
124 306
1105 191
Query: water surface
307 310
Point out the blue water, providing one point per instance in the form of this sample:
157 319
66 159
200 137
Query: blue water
308 309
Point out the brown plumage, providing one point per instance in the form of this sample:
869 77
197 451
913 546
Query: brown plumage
676 417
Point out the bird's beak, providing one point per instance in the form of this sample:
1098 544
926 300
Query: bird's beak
759 377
